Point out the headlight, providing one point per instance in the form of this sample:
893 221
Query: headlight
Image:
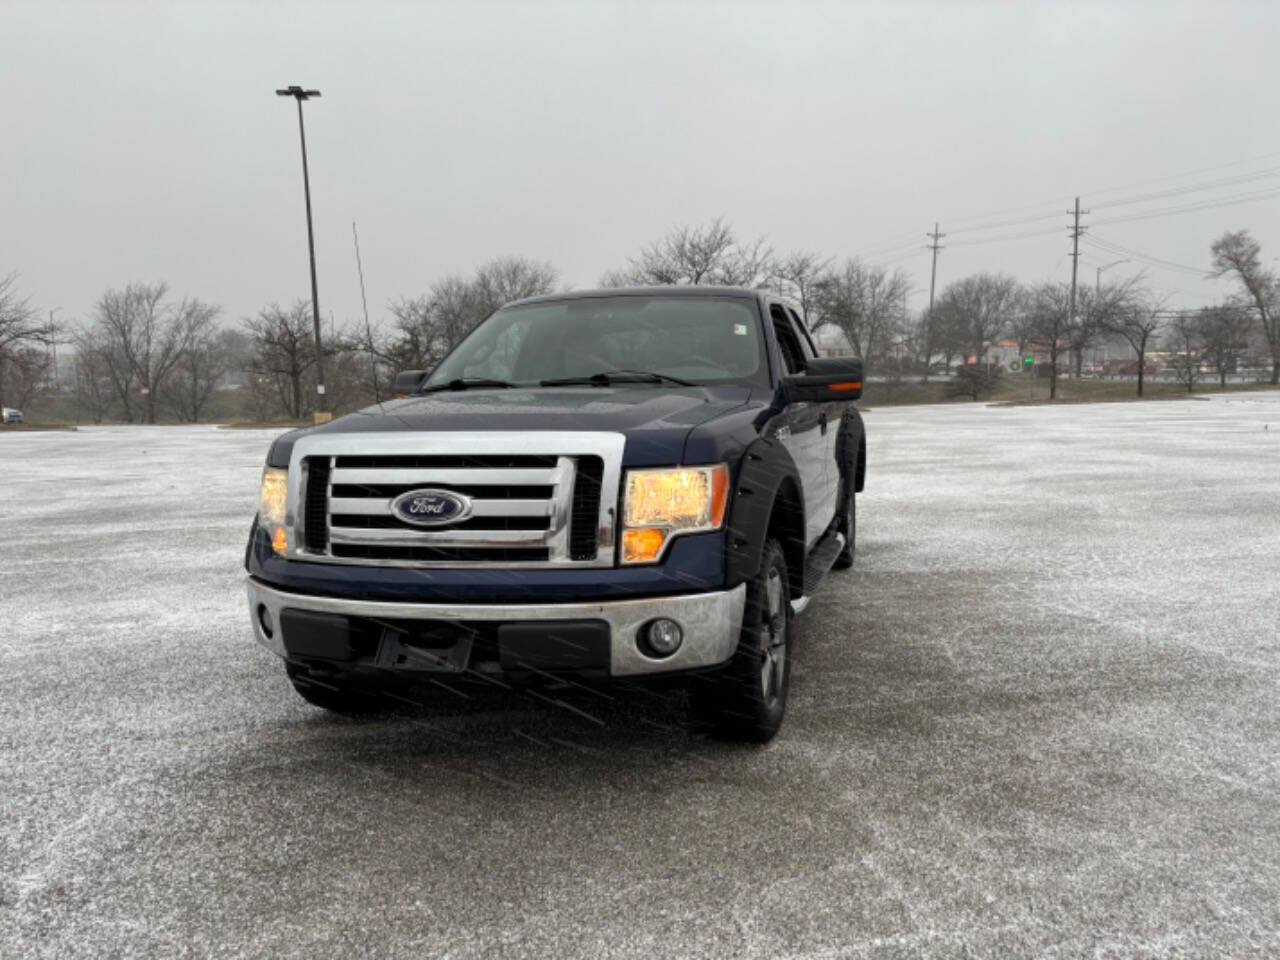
271 506
658 504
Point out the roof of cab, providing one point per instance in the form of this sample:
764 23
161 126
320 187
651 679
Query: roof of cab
688 290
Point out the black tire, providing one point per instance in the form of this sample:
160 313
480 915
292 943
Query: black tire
847 523
332 692
747 699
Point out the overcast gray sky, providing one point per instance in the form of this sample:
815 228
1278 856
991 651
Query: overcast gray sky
144 141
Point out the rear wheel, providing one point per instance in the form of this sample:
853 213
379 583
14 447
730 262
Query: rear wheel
332 691
748 698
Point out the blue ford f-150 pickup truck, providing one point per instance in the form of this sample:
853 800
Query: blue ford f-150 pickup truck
600 485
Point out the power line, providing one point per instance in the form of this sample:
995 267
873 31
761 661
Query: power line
887 249
1006 223
901 258
1194 188
1192 208
1007 236
1111 246
1184 174
1042 213
1190 188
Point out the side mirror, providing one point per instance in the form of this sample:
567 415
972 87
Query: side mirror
408 381
825 379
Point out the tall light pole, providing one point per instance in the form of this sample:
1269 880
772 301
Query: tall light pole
322 402
1097 286
1098 279
53 346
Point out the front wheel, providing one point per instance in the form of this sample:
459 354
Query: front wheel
747 699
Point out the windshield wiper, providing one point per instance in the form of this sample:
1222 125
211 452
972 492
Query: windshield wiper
606 377
466 383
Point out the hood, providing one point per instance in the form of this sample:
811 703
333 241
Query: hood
656 419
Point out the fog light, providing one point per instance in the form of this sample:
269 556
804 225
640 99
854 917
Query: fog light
264 620
663 637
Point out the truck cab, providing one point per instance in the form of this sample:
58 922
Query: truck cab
603 485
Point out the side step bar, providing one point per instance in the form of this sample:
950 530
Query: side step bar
818 565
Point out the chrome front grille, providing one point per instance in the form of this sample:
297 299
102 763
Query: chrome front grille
537 499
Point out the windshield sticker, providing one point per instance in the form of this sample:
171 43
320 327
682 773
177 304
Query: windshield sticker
740 329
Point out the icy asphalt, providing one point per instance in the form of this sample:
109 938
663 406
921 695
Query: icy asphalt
1039 718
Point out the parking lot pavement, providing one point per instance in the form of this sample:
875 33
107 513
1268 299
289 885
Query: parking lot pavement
1038 718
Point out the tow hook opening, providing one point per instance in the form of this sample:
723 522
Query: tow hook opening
264 621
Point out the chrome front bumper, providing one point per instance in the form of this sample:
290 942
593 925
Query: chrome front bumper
711 621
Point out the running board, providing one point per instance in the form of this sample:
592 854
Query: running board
819 561
816 567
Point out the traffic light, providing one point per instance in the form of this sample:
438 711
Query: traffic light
1028 362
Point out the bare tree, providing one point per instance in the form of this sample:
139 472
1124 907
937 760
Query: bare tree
1236 253
796 277
1093 309
918 336
19 325
1048 315
418 339
90 380
196 375
1185 349
864 303
428 326
505 279
980 308
140 337
261 399
1096 310
1223 332
710 254
1022 326
284 351
24 370
1137 319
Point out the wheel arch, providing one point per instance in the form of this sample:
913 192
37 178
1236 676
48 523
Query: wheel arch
851 450
766 502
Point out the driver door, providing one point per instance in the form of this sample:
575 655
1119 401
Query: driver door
800 429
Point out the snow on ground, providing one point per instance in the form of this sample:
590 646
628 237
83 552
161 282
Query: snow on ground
1039 717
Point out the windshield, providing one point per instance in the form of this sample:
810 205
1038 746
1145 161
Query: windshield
704 340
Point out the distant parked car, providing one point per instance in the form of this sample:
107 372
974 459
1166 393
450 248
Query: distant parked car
10 415
1131 369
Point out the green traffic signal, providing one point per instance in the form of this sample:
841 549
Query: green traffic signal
1028 360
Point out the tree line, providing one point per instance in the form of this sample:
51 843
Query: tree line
868 305
145 354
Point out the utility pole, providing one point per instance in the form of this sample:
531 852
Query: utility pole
322 404
1075 254
933 279
1076 231
53 346
368 329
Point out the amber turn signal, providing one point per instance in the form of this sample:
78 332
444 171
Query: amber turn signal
642 545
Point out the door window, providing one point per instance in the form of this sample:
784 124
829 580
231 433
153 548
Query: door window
788 343
802 334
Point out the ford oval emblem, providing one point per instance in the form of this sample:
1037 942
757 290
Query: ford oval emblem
431 508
